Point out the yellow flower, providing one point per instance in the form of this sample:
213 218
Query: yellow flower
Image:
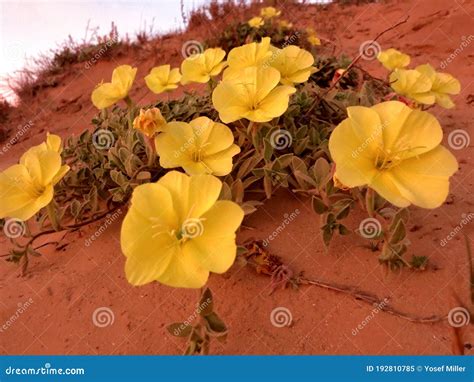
106 94
253 54
256 22
269 12
201 67
285 24
293 63
412 84
163 78
176 231
252 93
394 150
199 147
149 121
443 84
27 187
393 59
313 39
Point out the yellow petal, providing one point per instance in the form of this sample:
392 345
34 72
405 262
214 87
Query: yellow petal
211 136
424 180
215 248
184 271
354 164
105 95
145 235
221 163
367 126
393 115
253 54
42 165
177 185
275 103
419 133
384 184
123 77
53 142
412 84
393 59
204 191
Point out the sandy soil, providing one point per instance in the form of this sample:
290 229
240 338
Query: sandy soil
66 287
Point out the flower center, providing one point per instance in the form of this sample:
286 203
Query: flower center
387 159
197 155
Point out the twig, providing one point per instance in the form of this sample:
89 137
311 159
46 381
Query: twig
354 61
371 299
271 265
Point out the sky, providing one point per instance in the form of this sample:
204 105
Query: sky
28 28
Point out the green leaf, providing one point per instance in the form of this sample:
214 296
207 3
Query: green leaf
215 326
318 205
398 233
